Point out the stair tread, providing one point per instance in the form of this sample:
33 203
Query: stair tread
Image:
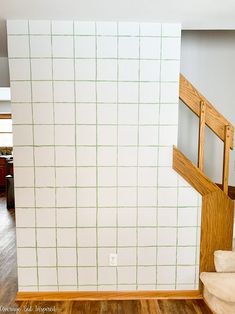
222 285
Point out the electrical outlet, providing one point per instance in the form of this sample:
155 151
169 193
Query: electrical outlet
112 259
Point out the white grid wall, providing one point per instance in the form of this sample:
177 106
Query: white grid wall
95 113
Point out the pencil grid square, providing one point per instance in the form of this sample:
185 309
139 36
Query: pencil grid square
93 157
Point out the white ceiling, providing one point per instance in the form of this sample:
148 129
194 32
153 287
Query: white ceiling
200 14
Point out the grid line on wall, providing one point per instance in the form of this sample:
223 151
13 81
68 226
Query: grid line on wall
137 165
117 161
52 80
98 35
96 152
159 115
75 168
32 112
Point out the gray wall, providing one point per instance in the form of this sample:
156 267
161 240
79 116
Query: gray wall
207 60
4 72
5 106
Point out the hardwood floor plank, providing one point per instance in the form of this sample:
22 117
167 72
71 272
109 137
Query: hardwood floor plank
150 307
183 307
201 307
130 307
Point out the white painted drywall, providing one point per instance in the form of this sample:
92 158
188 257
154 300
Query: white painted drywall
207 59
98 116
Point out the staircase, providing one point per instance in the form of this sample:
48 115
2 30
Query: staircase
217 206
219 286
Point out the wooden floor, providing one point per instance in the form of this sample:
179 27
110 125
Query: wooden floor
8 287
119 307
8 273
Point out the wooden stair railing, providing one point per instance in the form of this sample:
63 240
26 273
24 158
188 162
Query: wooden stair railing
217 206
209 116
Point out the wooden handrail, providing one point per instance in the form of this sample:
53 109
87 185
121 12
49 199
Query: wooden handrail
214 120
193 175
5 115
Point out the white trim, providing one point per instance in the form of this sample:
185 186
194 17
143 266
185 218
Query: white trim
5 94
